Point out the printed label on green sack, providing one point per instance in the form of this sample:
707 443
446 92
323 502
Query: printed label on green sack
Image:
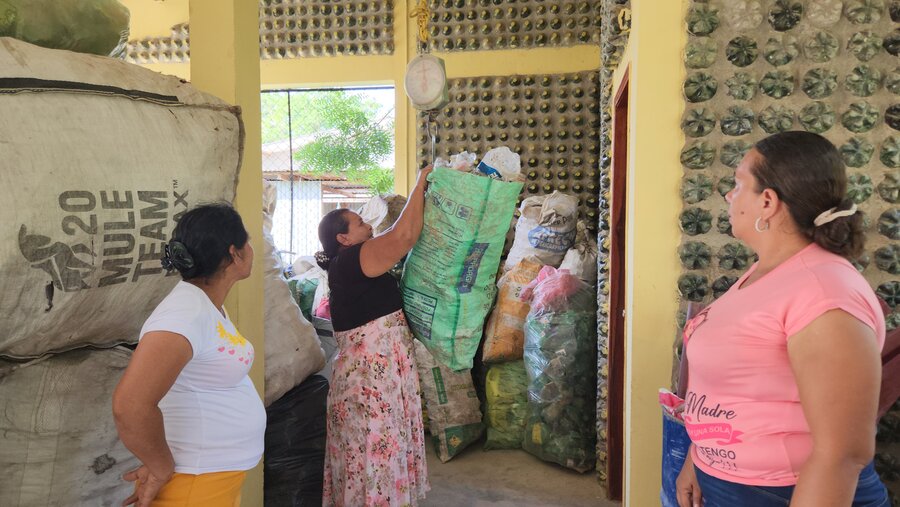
459 437
449 206
439 385
470 267
419 309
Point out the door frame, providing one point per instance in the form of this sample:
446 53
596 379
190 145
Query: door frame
615 435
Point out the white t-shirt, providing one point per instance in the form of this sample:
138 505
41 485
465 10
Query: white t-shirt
214 419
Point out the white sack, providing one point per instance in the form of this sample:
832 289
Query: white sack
293 351
382 211
581 259
99 160
545 229
58 440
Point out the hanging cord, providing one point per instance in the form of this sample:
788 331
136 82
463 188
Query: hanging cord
422 13
431 126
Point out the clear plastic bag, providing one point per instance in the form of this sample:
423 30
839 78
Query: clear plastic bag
560 359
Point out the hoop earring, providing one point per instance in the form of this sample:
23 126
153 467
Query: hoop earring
756 225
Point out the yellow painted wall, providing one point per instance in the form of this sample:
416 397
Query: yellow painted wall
379 69
155 18
224 42
655 107
650 325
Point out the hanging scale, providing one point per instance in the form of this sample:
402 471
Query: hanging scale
426 77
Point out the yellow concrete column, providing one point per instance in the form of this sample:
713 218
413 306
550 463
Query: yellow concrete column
652 237
405 42
225 63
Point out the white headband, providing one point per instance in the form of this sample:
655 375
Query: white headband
831 214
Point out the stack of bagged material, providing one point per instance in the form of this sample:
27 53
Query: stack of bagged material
95 200
547 233
98 189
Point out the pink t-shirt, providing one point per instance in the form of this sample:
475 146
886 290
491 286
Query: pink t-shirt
742 408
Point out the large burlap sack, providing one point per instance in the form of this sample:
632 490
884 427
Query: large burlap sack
87 26
504 335
293 351
545 229
58 440
448 279
100 158
454 412
581 259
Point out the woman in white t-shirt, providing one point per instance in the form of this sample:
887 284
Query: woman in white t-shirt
185 405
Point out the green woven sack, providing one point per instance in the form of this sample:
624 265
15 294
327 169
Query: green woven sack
448 280
98 27
506 407
304 294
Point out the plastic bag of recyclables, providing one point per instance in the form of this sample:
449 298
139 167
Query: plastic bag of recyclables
560 358
448 279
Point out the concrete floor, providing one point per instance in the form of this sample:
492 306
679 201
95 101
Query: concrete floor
476 478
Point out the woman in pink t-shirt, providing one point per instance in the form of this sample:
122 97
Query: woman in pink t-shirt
784 368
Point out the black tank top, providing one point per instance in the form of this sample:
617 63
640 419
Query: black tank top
355 298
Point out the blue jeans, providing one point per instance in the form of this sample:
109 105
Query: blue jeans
870 492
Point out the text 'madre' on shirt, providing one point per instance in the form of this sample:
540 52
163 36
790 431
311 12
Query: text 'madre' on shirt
213 416
742 408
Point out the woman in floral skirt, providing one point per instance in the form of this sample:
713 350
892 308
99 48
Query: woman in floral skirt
375 454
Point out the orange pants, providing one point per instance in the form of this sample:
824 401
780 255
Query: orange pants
221 489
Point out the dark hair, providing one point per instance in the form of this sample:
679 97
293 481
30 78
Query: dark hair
205 234
807 172
332 224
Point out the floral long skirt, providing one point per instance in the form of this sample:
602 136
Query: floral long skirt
375 453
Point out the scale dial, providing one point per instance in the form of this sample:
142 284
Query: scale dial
426 82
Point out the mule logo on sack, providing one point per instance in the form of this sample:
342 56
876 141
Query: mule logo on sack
129 229
59 260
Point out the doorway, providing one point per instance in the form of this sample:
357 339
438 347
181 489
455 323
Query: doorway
618 206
